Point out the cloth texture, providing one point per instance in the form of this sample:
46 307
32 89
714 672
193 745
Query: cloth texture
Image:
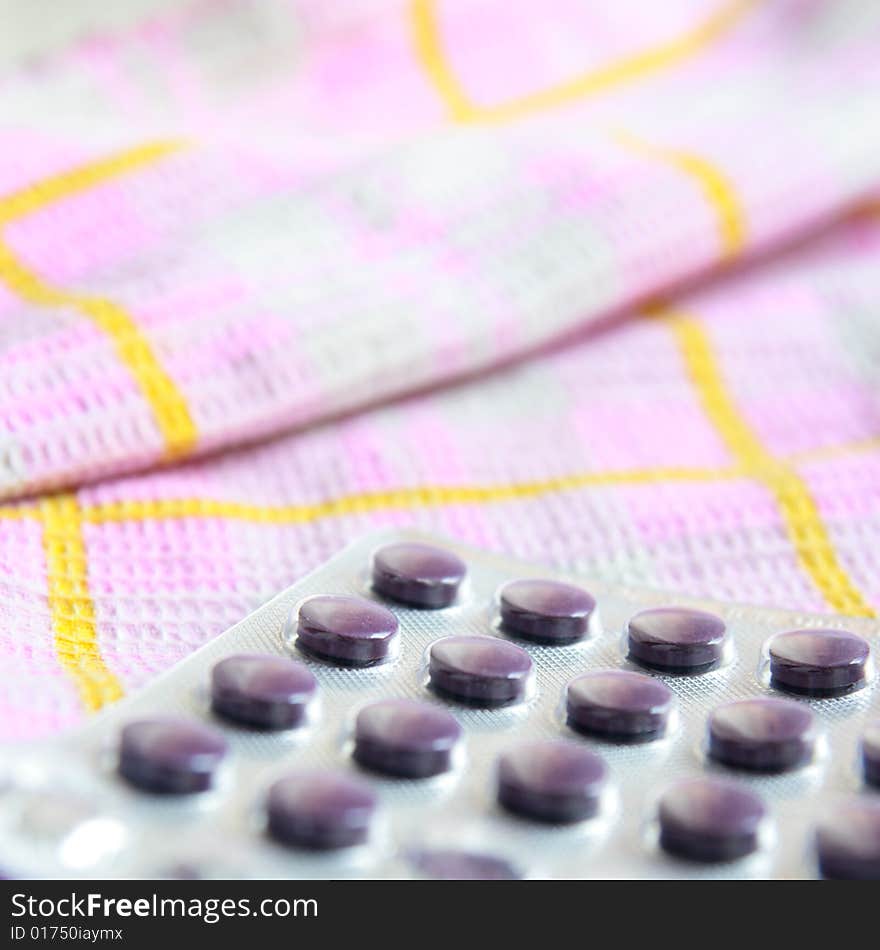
595 284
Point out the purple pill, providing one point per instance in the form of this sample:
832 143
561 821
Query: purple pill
420 575
871 753
676 640
170 755
848 841
347 631
545 611
321 811
619 705
479 671
452 865
551 781
818 663
406 738
262 690
762 735
710 820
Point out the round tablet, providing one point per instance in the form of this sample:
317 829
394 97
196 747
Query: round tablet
818 662
320 810
706 819
871 753
676 639
479 671
406 738
170 755
347 631
762 735
551 780
619 705
545 611
420 575
848 841
262 690
452 865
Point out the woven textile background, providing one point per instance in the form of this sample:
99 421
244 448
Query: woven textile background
597 284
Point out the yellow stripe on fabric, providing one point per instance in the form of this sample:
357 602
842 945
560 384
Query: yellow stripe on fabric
426 36
122 511
402 498
134 350
800 513
18 512
856 447
429 49
35 197
167 403
73 612
717 189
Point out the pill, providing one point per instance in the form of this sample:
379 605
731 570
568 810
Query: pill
871 753
619 705
420 575
551 780
707 819
676 640
479 671
763 734
818 663
453 865
347 631
321 810
545 611
262 690
848 841
170 755
406 738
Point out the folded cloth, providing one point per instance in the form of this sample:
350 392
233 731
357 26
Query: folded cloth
594 283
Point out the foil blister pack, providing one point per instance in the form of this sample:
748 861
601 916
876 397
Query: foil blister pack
419 709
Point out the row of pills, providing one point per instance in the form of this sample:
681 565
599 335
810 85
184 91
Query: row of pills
351 631
557 781
554 781
488 671
414 739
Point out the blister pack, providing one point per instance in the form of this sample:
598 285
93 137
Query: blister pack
418 708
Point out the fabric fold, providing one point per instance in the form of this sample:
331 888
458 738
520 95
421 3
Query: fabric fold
162 299
274 273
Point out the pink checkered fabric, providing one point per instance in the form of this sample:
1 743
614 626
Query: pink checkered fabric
594 283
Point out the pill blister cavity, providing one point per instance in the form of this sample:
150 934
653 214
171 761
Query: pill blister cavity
263 691
418 575
480 671
448 864
619 706
320 810
762 734
677 640
848 840
710 820
819 663
544 611
171 756
346 631
69 828
406 738
552 781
